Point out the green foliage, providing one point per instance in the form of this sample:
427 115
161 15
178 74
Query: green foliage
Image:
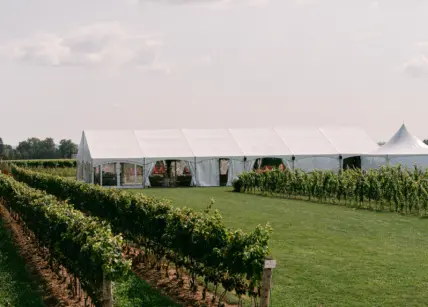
196 241
50 163
326 252
389 188
17 288
134 292
67 148
69 172
85 246
34 148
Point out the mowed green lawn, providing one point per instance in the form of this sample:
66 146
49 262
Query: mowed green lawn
328 255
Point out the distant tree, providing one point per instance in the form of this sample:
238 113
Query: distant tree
48 149
425 141
8 152
67 149
381 143
26 149
2 155
34 148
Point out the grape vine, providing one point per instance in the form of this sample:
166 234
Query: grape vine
84 246
386 189
195 241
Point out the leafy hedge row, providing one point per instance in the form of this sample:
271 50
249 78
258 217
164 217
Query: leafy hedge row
53 163
196 241
389 188
83 245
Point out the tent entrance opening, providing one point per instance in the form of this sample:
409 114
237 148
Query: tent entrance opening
352 162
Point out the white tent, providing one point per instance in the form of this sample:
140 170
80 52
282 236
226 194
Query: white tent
403 148
210 145
202 149
167 144
101 147
349 141
310 147
261 143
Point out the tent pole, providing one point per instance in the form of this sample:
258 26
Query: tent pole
101 175
196 174
219 170
118 174
144 172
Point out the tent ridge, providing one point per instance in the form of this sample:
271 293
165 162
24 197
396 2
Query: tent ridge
328 139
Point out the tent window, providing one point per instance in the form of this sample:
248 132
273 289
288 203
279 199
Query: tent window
170 173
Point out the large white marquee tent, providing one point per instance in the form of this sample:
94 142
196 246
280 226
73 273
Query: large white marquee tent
403 148
201 149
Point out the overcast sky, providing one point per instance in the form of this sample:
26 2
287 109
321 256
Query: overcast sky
71 65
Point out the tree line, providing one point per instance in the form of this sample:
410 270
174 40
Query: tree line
34 148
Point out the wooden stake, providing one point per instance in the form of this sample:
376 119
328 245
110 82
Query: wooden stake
107 294
267 282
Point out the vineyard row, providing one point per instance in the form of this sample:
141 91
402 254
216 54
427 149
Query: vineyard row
52 163
195 241
83 245
386 189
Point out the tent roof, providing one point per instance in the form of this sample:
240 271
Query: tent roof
212 143
403 143
134 145
112 144
349 140
166 143
306 141
260 142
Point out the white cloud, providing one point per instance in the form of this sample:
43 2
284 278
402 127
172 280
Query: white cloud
211 4
417 67
99 44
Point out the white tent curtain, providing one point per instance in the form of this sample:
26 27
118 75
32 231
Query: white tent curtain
376 162
249 164
369 162
191 167
87 172
79 172
409 161
309 164
287 163
148 169
236 167
208 173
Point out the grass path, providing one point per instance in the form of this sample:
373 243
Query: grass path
328 255
16 286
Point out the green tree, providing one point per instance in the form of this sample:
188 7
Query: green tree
67 148
2 155
34 148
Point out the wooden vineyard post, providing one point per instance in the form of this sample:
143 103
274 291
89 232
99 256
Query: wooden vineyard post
267 282
107 300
